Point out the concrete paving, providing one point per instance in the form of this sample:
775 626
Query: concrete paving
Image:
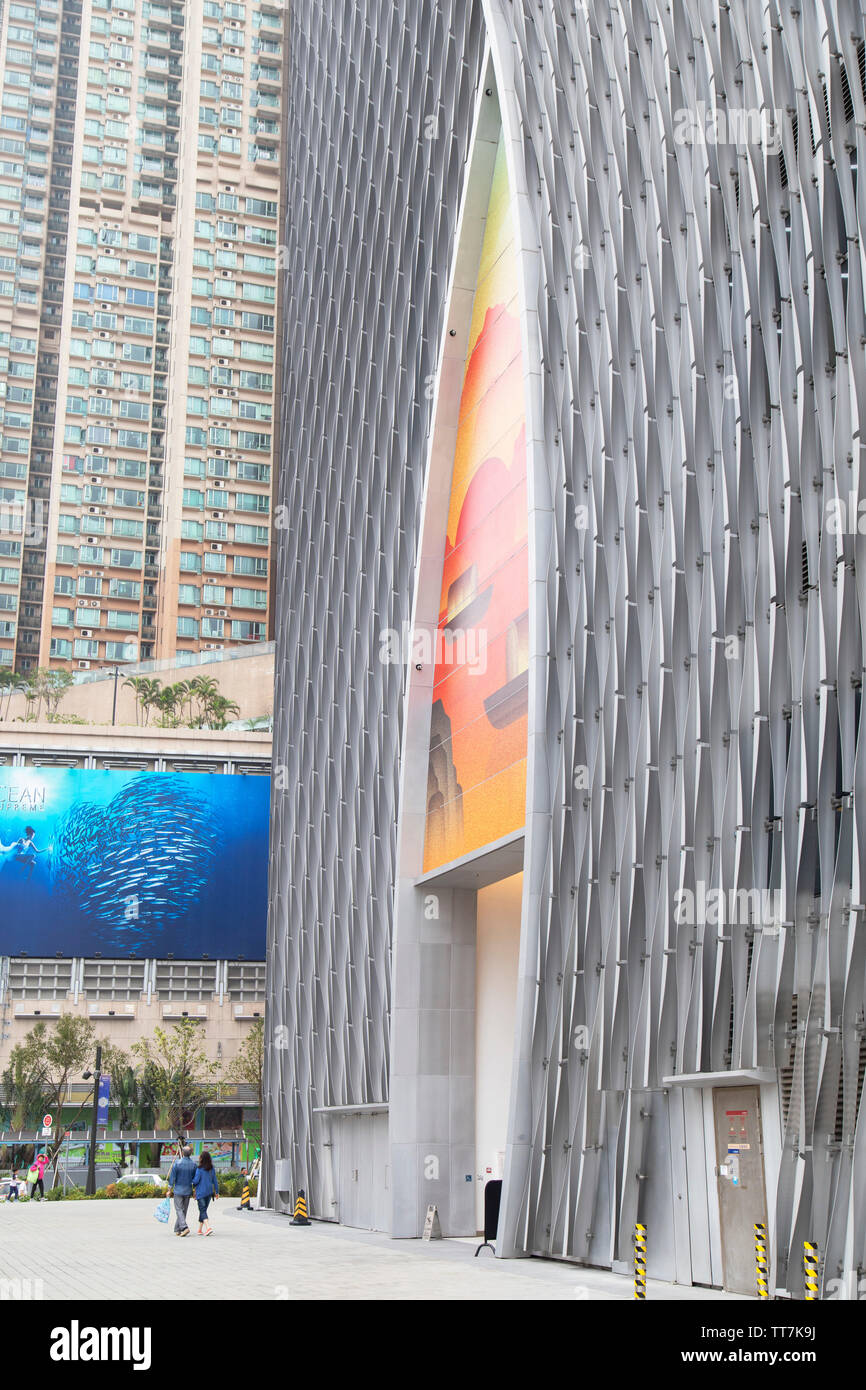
118 1250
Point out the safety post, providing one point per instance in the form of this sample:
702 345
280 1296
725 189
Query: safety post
300 1217
639 1260
761 1265
810 1270
245 1196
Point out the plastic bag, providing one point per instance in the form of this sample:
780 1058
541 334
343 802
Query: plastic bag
163 1210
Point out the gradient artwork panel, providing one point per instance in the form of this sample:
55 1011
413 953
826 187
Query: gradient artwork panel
476 784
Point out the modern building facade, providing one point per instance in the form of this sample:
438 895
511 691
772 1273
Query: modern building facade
566 864
139 212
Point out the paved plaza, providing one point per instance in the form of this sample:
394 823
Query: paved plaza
110 1250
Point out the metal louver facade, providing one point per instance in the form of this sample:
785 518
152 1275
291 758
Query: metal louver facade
688 182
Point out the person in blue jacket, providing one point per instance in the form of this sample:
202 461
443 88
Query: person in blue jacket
180 1183
206 1187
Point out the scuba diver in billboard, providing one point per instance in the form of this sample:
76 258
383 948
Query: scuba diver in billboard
25 851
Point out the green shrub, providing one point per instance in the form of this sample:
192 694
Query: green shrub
231 1184
127 1190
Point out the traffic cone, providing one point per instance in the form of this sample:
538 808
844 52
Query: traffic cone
245 1196
300 1217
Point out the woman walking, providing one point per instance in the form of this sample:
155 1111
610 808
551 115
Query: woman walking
206 1187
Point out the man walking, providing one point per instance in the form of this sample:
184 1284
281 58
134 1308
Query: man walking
180 1185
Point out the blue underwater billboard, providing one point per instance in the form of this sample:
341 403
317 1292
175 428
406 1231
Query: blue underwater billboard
122 863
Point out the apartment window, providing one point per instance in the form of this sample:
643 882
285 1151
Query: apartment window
187 627
126 559
124 588
250 598
255 565
248 631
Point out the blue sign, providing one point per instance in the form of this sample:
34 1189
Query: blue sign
103 1096
144 863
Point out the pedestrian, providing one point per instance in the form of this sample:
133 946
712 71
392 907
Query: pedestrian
33 1181
206 1187
13 1187
41 1164
180 1180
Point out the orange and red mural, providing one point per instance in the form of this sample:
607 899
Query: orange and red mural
476 782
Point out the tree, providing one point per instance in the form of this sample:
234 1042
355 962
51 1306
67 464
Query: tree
248 1066
24 1090
177 1077
203 689
147 691
10 682
125 1089
45 1062
220 710
53 685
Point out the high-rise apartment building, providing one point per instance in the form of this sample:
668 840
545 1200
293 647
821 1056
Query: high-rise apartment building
139 216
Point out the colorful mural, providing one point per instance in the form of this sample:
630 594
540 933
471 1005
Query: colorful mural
476 782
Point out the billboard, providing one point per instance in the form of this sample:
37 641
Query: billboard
476 781
122 863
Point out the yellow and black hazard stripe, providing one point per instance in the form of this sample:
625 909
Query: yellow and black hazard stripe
761 1262
810 1270
639 1260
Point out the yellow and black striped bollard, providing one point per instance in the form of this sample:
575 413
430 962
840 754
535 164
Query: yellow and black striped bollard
639 1260
245 1196
810 1270
761 1266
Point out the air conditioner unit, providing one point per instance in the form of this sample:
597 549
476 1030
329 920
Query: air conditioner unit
94 603
224 303
88 574
223 361
86 632
223 613
218 516
208 612
103 334
209 646
216 545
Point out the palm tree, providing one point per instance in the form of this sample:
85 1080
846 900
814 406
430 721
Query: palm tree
204 689
221 709
136 684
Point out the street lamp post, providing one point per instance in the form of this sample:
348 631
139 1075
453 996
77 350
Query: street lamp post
91 1155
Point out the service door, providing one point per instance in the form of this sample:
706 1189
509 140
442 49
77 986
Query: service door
361 1154
740 1181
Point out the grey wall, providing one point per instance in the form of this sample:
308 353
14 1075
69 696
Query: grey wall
379 107
701 380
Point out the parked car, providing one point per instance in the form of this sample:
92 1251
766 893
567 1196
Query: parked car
154 1179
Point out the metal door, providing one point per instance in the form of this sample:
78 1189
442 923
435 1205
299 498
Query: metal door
740 1181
